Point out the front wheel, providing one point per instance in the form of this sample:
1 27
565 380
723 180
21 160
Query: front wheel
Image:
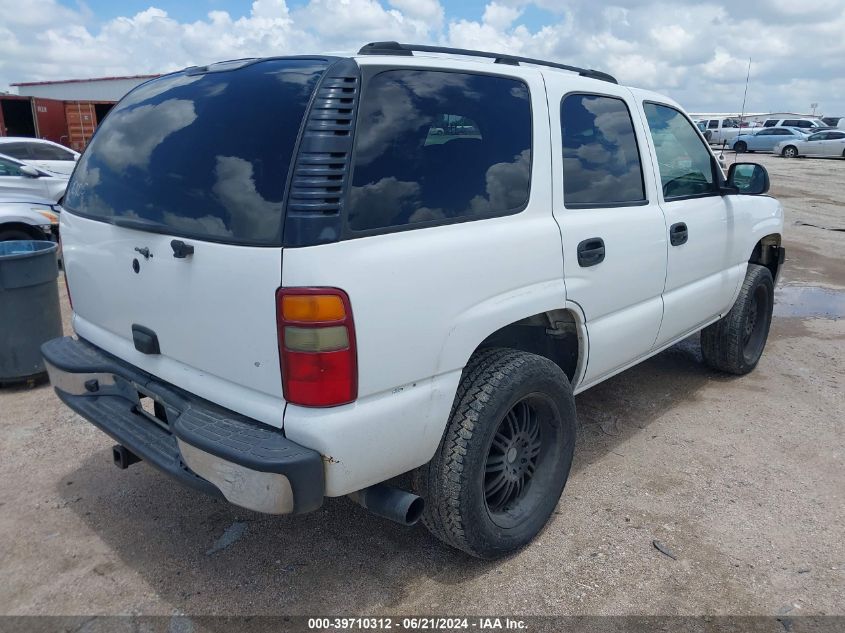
735 343
505 456
740 147
790 152
14 234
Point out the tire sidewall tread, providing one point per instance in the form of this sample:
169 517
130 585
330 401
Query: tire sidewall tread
722 343
456 512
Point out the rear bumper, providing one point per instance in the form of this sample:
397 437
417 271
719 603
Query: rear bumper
209 448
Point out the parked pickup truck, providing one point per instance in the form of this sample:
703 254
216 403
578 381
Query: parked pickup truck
280 304
719 131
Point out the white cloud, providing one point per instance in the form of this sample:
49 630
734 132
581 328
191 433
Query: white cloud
500 16
695 50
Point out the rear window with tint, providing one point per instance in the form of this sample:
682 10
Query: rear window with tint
203 156
434 147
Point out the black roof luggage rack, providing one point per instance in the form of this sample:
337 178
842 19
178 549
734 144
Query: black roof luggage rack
395 48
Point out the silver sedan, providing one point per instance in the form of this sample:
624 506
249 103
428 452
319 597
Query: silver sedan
827 143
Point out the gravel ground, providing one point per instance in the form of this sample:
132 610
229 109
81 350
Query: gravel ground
741 479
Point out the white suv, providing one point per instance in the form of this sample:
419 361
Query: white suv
303 277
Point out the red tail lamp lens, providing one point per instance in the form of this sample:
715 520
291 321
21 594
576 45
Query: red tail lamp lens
316 346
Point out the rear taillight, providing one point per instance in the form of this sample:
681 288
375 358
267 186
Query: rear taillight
316 346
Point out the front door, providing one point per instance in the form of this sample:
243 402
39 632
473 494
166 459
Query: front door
701 277
13 182
815 145
613 231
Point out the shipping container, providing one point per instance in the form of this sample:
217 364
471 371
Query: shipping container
82 119
33 117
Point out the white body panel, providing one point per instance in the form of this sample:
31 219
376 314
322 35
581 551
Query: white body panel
58 167
214 312
14 184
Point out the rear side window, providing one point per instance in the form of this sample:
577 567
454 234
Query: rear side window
686 165
43 151
601 162
771 123
435 146
204 156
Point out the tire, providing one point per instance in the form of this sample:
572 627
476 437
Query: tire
708 135
505 455
740 147
735 342
790 151
14 234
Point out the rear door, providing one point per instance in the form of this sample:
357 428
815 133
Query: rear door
199 158
613 231
834 144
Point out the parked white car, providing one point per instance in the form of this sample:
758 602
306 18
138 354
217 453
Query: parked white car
19 178
830 143
433 311
28 218
45 155
719 131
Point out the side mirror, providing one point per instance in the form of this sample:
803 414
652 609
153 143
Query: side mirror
748 179
29 172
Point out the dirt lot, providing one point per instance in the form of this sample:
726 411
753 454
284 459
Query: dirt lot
742 479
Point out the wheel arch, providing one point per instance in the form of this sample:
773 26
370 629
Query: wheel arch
556 331
769 253
30 229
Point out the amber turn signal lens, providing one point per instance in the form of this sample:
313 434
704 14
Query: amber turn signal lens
312 308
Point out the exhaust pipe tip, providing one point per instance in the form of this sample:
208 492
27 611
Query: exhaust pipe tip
123 458
415 511
391 503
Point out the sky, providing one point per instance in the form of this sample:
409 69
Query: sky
695 51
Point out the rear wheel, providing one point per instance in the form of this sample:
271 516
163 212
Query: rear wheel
741 147
735 343
790 151
505 457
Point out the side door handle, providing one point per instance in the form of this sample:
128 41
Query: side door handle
678 234
591 252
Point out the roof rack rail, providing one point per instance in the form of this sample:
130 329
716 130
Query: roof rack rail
395 48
